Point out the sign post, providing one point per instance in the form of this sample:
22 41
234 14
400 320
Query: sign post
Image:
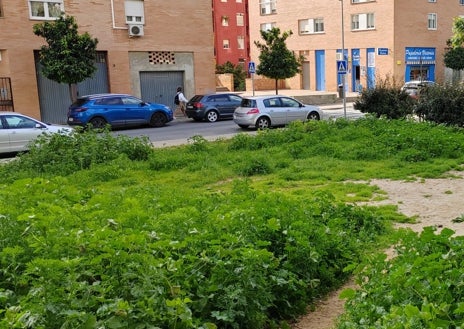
343 56
252 71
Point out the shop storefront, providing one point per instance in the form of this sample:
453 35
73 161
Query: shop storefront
420 64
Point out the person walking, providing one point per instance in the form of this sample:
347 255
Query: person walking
181 101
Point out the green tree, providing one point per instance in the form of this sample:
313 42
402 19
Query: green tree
238 72
68 57
454 57
276 61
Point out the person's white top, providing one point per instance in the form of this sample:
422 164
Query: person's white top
182 97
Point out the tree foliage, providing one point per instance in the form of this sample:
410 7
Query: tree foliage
68 57
276 61
238 72
454 57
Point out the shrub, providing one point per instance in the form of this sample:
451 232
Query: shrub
65 154
442 104
385 100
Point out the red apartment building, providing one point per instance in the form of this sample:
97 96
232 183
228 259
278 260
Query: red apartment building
231 32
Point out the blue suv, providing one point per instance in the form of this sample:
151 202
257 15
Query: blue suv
117 110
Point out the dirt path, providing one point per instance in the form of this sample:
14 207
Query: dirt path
435 202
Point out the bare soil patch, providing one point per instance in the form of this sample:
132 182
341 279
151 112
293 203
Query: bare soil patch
433 202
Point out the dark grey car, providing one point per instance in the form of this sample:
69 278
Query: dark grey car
212 107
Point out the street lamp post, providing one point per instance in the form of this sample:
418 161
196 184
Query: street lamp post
343 58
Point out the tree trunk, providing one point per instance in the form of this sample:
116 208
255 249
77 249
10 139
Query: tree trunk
73 92
277 86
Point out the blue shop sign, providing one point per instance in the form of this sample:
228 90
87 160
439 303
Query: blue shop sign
382 51
417 55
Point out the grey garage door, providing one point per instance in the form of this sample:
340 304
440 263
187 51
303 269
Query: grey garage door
160 87
54 97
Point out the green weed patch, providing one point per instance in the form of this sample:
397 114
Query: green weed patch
233 234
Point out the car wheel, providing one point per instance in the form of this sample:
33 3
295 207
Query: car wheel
212 116
263 123
314 116
158 119
98 123
243 126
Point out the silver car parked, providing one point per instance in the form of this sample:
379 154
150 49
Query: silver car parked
265 111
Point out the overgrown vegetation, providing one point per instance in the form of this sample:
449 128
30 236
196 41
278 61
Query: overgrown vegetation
99 231
439 104
419 288
386 100
442 104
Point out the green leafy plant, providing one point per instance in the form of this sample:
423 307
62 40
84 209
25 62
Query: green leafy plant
104 231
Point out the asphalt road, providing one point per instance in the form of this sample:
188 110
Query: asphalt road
179 131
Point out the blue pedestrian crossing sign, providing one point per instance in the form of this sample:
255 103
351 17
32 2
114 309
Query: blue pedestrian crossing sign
342 67
251 67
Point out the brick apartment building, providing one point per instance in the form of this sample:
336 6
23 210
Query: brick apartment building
400 39
231 33
146 48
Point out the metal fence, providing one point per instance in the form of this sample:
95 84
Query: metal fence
6 95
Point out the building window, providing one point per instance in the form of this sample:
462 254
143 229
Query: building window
223 0
267 7
225 21
241 42
432 0
370 21
309 26
432 21
363 22
1 10
240 20
239 1
225 44
45 9
134 11
267 26
461 2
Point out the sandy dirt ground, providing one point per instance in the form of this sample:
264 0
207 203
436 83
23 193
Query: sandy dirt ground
433 202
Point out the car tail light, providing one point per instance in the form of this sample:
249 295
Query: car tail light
198 105
253 111
80 109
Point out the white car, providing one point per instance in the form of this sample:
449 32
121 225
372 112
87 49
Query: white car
413 87
18 130
277 110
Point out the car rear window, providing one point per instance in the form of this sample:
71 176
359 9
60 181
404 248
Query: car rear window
246 102
196 98
80 102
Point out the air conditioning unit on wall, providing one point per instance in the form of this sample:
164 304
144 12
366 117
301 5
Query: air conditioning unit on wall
135 30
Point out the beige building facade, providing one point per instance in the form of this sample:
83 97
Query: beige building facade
145 48
401 40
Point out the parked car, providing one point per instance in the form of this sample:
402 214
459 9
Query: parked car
117 110
17 131
266 111
414 87
212 107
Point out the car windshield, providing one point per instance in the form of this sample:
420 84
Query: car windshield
246 102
